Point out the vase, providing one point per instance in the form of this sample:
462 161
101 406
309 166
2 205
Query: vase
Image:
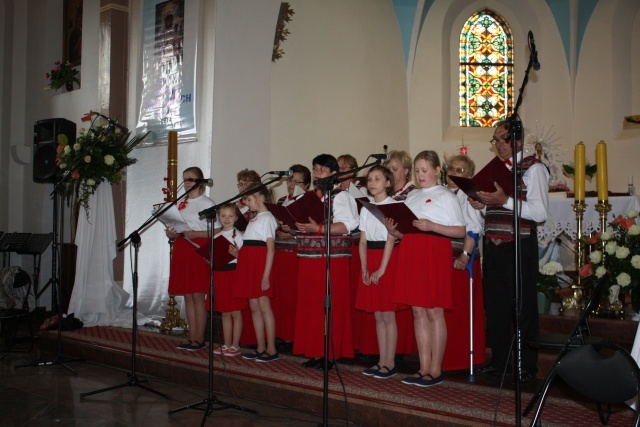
543 303
68 86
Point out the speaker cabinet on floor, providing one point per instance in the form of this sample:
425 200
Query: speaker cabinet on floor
45 140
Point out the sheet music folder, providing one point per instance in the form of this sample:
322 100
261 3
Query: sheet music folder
282 214
399 213
495 170
221 255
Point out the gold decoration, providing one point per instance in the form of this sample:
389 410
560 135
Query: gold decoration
284 16
575 302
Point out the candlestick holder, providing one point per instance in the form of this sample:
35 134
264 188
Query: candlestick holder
576 301
172 317
603 207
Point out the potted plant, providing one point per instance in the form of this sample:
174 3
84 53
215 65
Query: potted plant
62 74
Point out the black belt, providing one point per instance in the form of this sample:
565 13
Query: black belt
376 244
254 243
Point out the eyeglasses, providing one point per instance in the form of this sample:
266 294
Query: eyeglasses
456 169
295 181
242 184
495 140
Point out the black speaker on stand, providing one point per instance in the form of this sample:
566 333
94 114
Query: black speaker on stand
45 140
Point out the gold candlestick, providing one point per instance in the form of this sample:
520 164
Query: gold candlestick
603 207
575 302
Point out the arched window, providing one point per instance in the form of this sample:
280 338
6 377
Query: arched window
486 70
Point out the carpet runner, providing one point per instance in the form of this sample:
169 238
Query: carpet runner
454 398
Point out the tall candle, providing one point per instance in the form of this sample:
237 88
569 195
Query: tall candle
172 166
578 175
601 162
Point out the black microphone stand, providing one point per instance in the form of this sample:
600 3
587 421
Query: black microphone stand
326 185
211 399
515 130
56 268
135 240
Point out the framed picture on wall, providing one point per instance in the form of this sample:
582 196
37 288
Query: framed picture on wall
169 45
72 32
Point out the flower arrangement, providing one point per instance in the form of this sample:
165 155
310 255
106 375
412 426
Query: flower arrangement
61 75
98 154
619 255
549 281
589 169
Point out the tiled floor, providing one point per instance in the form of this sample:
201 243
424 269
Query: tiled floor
50 396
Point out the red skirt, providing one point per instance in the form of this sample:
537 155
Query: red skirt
425 268
372 298
285 281
309 329
357 316
251 262
189 271
457 351
224 296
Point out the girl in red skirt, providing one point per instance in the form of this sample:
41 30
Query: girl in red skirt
375 289
254 270
285 262
424 265
189 274
224 281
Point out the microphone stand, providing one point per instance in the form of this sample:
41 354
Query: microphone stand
135 240
211 399
56 268
326 185
515 129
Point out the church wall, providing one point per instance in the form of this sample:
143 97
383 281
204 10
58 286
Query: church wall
340 86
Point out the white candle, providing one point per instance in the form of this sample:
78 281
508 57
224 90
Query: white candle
630 179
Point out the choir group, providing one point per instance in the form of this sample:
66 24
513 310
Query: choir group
389 291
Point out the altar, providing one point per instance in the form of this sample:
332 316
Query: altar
557 235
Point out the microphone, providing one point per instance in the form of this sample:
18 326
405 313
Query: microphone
383 156
534 52
207 181
288 173
112 122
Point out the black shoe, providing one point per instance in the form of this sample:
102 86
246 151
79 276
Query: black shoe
491 370
313 362
320 366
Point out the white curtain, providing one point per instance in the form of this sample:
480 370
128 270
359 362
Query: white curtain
97 299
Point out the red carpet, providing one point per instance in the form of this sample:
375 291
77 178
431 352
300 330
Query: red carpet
469 403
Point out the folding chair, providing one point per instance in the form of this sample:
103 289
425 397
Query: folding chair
578 337
610 376
18 304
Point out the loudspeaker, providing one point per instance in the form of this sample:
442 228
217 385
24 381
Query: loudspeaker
45 140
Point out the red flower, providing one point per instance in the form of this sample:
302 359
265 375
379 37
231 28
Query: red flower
47 75
586 271
182 205
624 222
75 174
594 239
428 201
87 117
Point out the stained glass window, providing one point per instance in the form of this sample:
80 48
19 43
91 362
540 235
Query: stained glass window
486 70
